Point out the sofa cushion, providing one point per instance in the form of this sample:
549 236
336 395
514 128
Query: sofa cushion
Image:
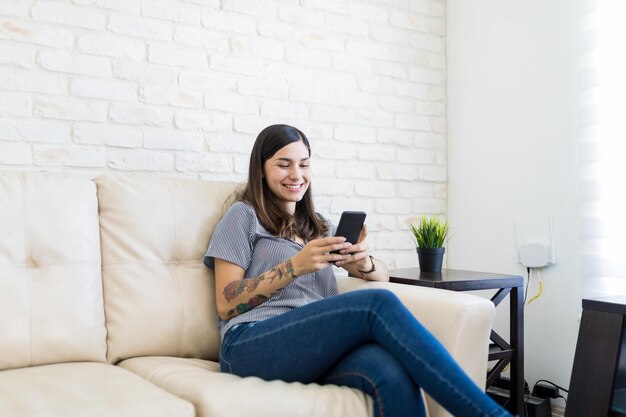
51 307
216 394
158 294
85 389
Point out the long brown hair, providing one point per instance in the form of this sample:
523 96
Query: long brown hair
304 222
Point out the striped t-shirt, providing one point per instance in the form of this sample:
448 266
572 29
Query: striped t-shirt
240 238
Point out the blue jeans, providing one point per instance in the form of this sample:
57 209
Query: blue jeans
363 339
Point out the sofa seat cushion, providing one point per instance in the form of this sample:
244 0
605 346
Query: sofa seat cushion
218 394
85 389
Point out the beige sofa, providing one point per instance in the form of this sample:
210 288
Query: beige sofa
106 308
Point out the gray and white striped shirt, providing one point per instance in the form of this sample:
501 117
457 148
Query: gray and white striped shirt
240 238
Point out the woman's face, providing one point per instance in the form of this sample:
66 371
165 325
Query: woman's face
287 173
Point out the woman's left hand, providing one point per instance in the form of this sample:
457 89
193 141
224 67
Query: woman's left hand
359 253
359 260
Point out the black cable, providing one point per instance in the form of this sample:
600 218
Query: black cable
551 383
527 284
564 399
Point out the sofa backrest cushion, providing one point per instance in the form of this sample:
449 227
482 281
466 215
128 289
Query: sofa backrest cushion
158 294
51 307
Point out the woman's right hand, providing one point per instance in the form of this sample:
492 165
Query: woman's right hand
315 255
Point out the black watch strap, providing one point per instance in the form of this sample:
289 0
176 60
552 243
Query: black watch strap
371 270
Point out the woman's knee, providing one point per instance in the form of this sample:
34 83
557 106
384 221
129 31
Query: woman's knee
376 295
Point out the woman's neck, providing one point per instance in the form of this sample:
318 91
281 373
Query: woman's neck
290 207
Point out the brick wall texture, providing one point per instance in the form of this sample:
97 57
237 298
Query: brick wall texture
182 87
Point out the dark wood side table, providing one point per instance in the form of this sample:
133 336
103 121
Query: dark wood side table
598 381
499 350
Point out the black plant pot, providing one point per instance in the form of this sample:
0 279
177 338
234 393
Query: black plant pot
430 259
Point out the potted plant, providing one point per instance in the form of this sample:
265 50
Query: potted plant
430 235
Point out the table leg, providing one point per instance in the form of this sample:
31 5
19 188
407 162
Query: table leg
517 343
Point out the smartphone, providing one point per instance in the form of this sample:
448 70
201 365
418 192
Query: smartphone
350 226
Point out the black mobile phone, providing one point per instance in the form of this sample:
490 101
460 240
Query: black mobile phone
350 226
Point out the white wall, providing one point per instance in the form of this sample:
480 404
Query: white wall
174 87
512 151
182 87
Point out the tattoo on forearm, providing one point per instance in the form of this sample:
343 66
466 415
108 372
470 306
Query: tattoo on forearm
289 268
273 273
236 288
243 307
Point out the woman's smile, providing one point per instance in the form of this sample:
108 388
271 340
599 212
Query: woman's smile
294 187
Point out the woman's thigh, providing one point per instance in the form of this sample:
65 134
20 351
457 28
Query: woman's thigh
305 343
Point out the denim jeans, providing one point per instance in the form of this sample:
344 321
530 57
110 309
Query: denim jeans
363 339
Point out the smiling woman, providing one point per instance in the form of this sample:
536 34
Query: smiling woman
280 314
280 159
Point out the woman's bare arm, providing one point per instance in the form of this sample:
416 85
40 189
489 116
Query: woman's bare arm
236 295
381 273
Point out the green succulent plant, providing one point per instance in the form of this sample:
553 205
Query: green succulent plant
430 232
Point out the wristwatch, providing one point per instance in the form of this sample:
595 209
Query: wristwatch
371 270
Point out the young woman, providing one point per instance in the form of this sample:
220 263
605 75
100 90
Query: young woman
279 313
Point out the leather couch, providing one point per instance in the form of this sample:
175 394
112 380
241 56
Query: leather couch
106 309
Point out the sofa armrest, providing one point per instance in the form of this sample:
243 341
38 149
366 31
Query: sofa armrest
462 322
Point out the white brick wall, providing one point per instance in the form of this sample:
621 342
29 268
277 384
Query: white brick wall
182 87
